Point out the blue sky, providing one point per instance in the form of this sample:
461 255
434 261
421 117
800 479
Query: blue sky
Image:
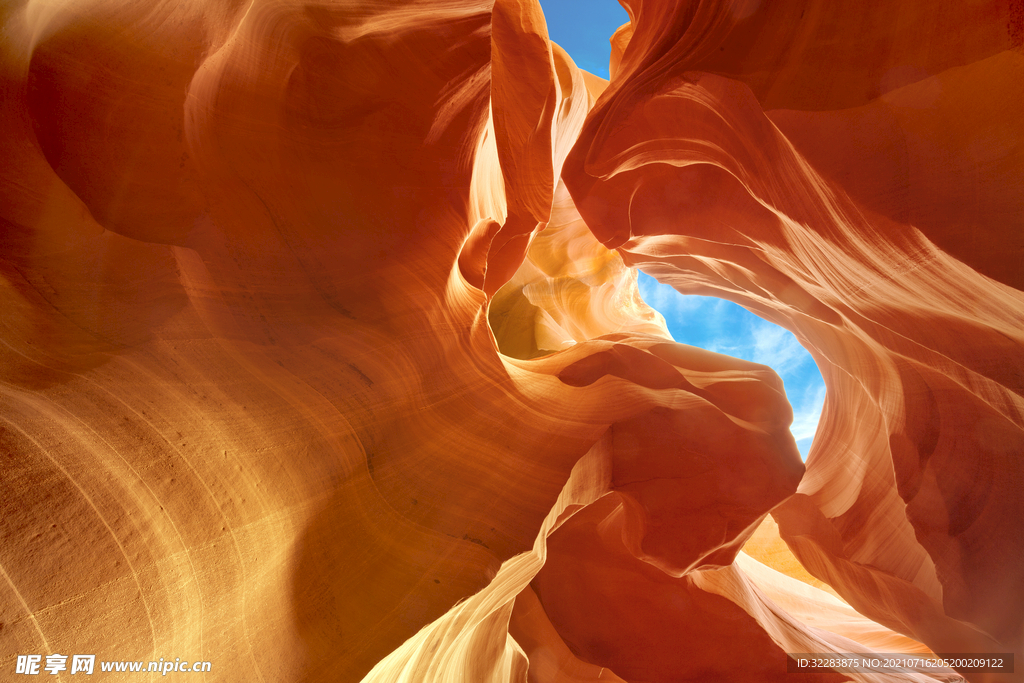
707 322
582 28
724 327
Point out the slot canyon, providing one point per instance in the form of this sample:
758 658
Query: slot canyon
323 358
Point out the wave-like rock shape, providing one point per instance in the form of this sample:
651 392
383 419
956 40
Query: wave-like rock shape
323 358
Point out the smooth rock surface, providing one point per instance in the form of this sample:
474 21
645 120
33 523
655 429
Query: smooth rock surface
322 356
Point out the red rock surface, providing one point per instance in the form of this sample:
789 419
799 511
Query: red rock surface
322 356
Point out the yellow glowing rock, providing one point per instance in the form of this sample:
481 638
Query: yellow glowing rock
322 359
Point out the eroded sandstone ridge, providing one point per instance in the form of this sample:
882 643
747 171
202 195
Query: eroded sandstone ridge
322 357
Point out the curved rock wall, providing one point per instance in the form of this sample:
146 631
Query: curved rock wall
322 356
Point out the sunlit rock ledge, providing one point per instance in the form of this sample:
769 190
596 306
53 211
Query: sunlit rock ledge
322 356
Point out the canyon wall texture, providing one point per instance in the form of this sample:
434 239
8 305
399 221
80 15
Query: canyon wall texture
322 356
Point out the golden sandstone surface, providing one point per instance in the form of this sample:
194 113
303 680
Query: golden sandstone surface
322 356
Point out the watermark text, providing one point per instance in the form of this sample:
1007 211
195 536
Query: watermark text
36 665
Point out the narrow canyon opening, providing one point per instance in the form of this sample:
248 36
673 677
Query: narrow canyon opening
324 354
722 326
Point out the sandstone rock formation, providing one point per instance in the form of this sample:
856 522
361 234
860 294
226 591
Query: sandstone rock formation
323 358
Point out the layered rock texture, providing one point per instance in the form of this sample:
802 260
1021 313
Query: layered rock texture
322 356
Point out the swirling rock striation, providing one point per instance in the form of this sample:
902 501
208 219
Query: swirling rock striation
323 359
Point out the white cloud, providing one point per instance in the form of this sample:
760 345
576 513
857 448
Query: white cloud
807 413
659 298
777 348
668 301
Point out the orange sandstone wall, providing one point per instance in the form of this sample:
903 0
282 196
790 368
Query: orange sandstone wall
322 358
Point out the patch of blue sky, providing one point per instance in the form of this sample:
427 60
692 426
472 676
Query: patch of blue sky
727 328
582 28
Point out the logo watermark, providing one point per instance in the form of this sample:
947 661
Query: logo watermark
35 665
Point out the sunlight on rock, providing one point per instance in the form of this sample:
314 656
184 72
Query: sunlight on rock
323 356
